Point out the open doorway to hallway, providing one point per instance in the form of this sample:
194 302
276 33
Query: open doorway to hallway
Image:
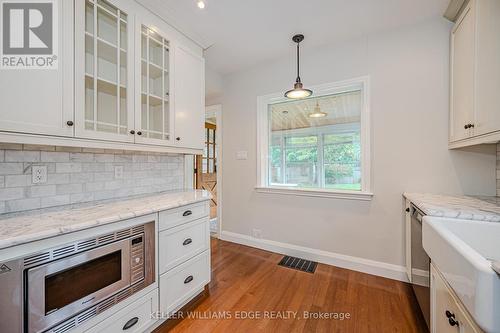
207 166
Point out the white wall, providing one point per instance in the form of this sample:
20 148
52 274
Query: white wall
409 105
213 87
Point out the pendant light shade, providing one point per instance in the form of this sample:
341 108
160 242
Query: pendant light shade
298 90
317 112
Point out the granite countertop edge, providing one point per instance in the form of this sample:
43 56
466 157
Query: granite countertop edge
143 206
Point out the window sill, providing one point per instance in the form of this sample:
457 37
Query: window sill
321 193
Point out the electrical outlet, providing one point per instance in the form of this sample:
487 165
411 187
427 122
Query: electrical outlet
39 174
257 233
119 172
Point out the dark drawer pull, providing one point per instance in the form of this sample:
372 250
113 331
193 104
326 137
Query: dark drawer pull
187 242
453 322
130 323
188 279
187 213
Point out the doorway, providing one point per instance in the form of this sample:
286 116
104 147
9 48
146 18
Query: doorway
207 169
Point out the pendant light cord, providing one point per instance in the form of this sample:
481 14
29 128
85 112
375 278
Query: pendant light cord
298 63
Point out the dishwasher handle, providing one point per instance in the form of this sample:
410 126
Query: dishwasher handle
417 214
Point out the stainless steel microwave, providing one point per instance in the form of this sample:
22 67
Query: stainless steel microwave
59 289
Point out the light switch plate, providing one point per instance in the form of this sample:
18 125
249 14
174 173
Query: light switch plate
119 172
39 174
242 155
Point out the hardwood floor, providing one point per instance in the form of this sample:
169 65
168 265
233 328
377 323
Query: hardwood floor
248 281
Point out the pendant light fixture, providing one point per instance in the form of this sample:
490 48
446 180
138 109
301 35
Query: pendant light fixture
298 91
317 112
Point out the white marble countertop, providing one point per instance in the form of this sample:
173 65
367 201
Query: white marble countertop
460 207
19 228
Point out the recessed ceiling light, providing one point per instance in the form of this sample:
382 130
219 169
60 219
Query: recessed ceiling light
200 4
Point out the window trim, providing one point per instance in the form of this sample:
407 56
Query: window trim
263 186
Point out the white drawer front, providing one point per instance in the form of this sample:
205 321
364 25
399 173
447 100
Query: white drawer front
138 312
181 243
174 217
180 284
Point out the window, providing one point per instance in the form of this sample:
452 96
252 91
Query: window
316 146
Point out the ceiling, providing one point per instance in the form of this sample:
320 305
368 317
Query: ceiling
240 34
340 109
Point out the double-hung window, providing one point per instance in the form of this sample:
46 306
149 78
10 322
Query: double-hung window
316 146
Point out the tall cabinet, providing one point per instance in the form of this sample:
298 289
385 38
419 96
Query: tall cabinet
475 75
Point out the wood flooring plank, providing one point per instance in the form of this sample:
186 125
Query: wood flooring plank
248 281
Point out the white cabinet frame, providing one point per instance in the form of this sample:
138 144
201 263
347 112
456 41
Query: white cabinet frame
80 130
154 24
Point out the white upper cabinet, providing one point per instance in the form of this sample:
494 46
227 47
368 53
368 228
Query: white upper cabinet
104 62
154 108
475 75
189 99
40 101
462 75
487 92
116 84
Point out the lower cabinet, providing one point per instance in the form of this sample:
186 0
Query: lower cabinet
182 283
182 243
183 255
447 313
135 318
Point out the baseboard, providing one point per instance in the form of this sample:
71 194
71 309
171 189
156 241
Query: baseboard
368 266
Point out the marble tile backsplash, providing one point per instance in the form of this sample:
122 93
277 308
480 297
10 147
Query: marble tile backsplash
77 175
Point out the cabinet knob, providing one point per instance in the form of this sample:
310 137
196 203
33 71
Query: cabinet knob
132 132
466 126
449 314
70 123
407 210
471 125
178 138
188 279
139 133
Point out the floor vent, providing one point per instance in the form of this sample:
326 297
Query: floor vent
298 264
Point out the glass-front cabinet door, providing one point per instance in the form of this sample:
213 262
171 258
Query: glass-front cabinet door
104 70
154 116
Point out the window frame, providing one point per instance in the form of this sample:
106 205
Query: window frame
263 102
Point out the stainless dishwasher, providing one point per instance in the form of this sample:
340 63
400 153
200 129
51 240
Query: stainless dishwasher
420 264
